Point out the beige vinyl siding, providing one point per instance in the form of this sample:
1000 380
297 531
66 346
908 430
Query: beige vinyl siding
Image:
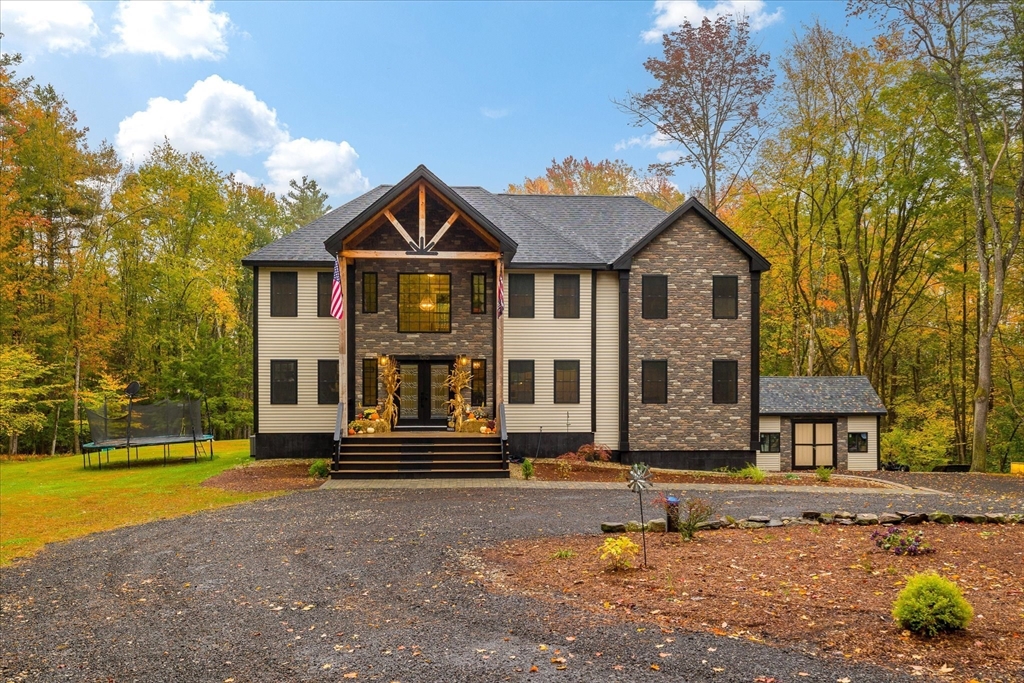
305 339
869 424
769 461
608 360
545 339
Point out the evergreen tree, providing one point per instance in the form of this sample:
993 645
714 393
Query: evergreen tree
304 203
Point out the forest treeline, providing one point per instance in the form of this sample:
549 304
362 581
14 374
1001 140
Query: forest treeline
848 174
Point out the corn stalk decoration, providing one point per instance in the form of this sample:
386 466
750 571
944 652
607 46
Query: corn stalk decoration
458 380
391 379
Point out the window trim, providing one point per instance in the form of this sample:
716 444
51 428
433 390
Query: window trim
644 280
533 382
512 297
480 363
367 364
867 442
474 309
575 302
644 397
555 382
320 381
376 291
715 279
281 275
724 400
275 397
398 307
323 307
776 448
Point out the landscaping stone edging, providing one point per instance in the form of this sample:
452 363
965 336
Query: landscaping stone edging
816 518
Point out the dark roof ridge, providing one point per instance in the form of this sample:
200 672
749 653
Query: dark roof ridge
550 228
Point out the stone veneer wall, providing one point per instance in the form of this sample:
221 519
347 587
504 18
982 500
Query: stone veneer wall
377 333
689 252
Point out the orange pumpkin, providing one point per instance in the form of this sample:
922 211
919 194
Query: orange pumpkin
375 416
351 431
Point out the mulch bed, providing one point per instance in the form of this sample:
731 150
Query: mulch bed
259 478
548 470
825 589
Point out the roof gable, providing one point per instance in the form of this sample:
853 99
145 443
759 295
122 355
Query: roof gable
421 174
758 263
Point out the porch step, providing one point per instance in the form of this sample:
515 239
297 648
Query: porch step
408 455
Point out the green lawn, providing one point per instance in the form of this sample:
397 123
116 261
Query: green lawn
55 499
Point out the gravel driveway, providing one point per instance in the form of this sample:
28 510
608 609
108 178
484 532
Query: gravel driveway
316 584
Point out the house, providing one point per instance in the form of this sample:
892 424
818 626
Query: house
810 422
585 318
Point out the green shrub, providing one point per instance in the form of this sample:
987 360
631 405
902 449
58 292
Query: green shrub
753 473
930 605
319 469
527 469
563 554
823 473
692 512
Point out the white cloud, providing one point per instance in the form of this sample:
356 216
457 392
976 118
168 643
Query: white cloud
218 117
244 178
215 117
331 164
669 156
175 29
672 13
494 113
654 141
64 25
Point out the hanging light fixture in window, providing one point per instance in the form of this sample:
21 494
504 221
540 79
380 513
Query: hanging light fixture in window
426 303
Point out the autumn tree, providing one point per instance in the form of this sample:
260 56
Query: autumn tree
304 202
712 85
973 51
572 176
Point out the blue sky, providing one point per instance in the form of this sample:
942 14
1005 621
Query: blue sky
358 94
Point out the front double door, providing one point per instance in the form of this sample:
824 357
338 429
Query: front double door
423 392
814 444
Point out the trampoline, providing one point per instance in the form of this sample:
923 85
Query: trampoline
163 423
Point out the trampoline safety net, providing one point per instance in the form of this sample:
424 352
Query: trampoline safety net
161 422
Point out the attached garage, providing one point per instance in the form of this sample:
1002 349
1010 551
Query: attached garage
810 422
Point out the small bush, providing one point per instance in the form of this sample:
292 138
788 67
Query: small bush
319 469
823 473
901 541
930 605
590 452
753 473
692 512
621 551
792 476
527 469
563 468
563 554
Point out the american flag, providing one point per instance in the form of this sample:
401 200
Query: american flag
501 295
337 298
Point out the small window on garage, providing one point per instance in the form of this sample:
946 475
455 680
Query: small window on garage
857 442
770 442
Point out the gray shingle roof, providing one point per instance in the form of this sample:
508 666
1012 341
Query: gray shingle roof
606 226
819 396
306 245
550 230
